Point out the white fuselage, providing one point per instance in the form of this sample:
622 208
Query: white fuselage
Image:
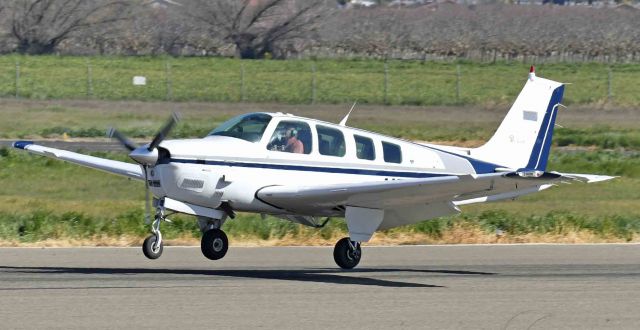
215 169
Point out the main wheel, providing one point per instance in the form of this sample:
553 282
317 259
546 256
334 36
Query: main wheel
150 249
214 244
345 255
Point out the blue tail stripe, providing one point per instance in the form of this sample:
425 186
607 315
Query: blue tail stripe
542 146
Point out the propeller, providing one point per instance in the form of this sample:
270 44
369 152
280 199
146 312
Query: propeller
146 155
115 134
164 131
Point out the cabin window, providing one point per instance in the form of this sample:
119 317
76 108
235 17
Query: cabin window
249 127
364 148
291 136
330 141
391 152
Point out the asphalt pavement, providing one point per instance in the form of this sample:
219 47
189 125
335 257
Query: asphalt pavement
412 287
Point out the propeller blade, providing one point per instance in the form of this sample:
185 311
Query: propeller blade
115 134
162 134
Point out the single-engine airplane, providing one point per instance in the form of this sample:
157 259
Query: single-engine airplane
305 170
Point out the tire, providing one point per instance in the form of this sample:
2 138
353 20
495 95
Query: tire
148 248
214 244
345 256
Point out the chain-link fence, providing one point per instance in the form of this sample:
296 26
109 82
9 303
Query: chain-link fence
304 81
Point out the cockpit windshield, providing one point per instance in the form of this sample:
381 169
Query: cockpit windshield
249 127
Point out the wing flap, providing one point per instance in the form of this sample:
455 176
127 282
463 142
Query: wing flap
133 171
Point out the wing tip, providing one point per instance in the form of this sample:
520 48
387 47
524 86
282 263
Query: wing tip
22 144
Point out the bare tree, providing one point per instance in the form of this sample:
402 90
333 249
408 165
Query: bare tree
39 26
376 33
484 32
258 27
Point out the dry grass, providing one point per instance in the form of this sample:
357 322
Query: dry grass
459 234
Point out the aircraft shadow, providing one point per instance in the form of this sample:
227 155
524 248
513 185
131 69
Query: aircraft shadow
331 276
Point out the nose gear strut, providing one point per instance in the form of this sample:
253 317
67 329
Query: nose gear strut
153 245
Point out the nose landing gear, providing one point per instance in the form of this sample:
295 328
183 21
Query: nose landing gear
153 246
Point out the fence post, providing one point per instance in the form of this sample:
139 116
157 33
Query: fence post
89 79
167 77
457 83
313 82
17 79
386 81
243 96
609 84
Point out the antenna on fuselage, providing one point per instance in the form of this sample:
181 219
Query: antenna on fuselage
343 122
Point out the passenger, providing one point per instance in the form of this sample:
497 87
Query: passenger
293 144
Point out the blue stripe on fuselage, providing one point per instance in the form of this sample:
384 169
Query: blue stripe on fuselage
479 166
339 170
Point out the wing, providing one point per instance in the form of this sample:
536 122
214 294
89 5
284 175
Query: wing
408 201
133 171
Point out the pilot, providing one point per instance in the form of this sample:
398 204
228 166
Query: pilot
293 144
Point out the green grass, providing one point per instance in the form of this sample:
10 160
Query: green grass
600 136
336 81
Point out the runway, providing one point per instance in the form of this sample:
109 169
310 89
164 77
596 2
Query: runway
411 287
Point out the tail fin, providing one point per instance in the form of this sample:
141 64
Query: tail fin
523 140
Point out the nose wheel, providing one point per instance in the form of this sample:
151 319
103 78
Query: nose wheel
214 244
347 253
151 248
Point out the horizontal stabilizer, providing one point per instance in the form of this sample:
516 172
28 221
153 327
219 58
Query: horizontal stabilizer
587 178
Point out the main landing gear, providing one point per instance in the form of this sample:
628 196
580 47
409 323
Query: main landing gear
214 244
347 253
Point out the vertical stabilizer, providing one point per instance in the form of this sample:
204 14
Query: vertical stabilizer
523 140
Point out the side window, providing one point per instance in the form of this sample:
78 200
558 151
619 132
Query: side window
364 148
330 141
291 136
391 152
